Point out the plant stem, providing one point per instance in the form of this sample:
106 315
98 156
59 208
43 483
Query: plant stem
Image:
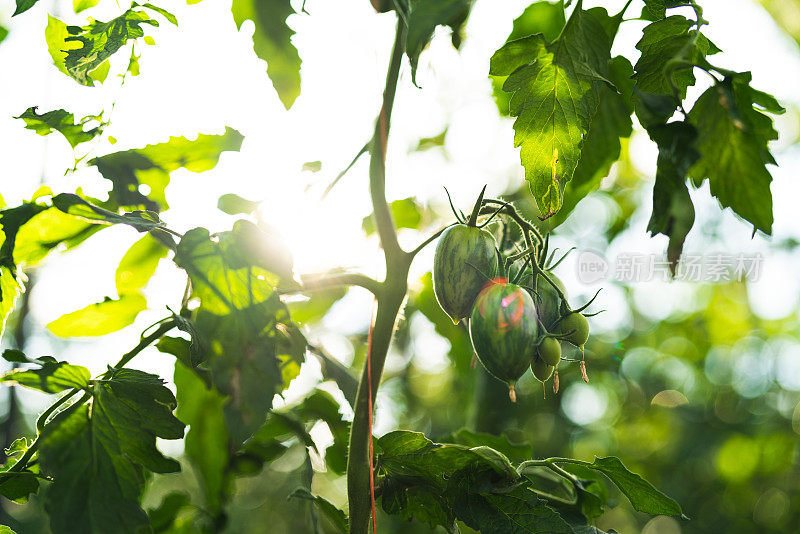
165 327
390 299
326 281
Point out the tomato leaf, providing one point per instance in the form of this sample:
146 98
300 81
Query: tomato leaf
272 42
50 376
164 516
139 264
60 121
101 318
17 485
556 90
642 495
88 47
657 9
234 204
513 450
662 41
423 18
405 212
673 212
97 454
23 6
79 207
733 137
151 166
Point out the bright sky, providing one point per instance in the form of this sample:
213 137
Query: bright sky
204 76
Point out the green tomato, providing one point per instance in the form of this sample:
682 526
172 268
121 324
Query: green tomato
541 370
465 256
503 329
549 351
576 328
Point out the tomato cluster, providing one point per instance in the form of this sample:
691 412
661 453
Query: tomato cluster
516 307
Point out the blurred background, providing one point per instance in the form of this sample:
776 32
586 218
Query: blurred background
694 384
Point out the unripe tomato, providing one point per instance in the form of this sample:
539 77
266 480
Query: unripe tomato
465 256
576 328
541 370
549 351
503 329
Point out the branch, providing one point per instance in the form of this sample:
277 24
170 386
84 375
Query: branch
327 281
339 176
145 342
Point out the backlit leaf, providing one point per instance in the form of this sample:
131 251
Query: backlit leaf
50 376
101 318
423 18
643 496
60 121
139 264
272 42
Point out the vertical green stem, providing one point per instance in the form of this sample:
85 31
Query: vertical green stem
390 298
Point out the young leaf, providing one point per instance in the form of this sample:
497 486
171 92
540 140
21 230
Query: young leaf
673 212
139 264
272 42
662 41
423 18
101 318
643 496
50 377
99 41
60 121
556 90
97 454
152 165
733 137
337 517
16 485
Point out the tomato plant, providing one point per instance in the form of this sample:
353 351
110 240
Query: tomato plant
239 330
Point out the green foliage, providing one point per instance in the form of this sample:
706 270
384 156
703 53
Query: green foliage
732 136
78 51
643 496
670 39
405 212
272 43
673 212
337 517
23 6
98 456
556 90
63 122
139 264
234 204
50 376
101 318
152 165
423 17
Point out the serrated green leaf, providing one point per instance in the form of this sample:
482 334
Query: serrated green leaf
272 42
234 204
540 17
83 209
517 512
98 41
601 146
555 90
662 41
55 35
406 213
336 517
733 137
96 454
101 318
642 495
152 165
423 18
673 211
60 121
50 376
139 264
